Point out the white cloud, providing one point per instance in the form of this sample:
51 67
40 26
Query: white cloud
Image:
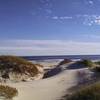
90 2
97 21
48 47
90 19
62 17
55 17
65 17
84 19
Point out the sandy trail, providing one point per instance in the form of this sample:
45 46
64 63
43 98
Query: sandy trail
46 89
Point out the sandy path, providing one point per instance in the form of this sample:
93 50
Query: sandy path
51 88
46 89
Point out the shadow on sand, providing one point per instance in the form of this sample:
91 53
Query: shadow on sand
84 79
75 65
52 72
59 69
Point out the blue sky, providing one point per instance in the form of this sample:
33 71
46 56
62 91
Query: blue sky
55 22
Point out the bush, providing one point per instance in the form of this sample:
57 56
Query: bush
91 92
98 62
16 65
8 92
97 67
87 63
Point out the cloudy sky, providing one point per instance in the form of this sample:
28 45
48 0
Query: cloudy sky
49 27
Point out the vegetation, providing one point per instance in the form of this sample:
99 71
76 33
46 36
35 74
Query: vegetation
87 63
91 92
98 62
97 67
16 65
8 92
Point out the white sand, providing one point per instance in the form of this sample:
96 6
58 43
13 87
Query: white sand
46 89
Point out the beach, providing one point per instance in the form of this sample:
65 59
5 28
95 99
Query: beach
51 88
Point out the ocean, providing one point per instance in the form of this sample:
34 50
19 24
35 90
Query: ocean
72 57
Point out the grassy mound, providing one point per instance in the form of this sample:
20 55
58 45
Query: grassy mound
7 92
97 62
16 65
91 92
87 63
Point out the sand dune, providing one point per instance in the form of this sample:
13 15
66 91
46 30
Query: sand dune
47 89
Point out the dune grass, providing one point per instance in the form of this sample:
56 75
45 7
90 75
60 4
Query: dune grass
97 62
17 65
91 92
7 92
87 63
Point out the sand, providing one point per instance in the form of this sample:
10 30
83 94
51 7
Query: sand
51 88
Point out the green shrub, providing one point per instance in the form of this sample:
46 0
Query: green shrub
98 62
87 63
91 92
8 92
97 67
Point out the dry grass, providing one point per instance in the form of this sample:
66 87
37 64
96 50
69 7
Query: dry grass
18 65
91 92
8 92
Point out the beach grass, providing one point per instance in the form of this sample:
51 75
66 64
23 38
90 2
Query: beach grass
91 92
7 92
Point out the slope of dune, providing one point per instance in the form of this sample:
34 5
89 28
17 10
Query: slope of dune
51 88
18 69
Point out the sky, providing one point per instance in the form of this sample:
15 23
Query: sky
49 27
